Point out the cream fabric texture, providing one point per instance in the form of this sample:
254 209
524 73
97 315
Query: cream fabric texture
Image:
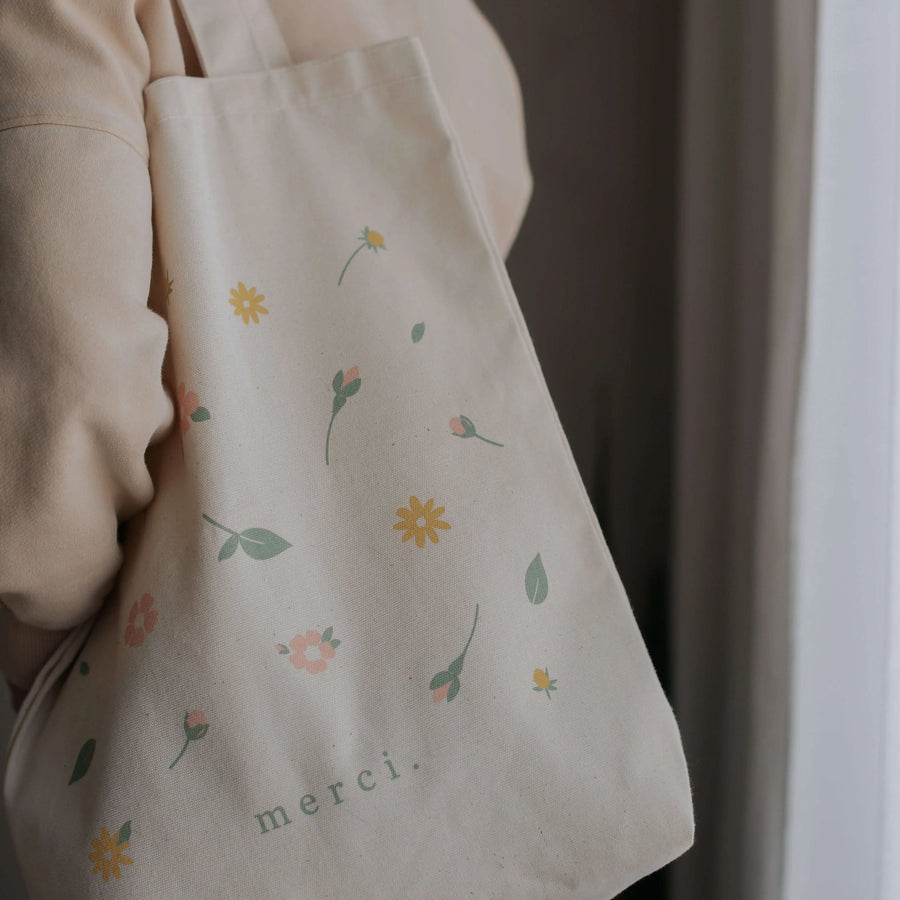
367 638
81 395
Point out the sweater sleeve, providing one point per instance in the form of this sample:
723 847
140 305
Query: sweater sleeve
81 393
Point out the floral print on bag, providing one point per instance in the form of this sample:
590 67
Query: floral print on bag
247 303
141 621
344 386
257 543
189 408
445 685
109 852
311 651
195 727
463 427
421 521
543 682
371 240
83 762
536 585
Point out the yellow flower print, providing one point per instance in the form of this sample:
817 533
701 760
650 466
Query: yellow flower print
247 303
115 846
371 240
543 682
415 528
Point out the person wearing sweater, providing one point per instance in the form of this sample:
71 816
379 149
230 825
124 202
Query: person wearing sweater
81 391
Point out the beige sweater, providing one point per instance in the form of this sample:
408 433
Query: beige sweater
81 392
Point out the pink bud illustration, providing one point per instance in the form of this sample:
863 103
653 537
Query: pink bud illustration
440 694
352 375
196 718
462 426
195 727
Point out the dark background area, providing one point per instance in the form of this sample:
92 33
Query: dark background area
594 267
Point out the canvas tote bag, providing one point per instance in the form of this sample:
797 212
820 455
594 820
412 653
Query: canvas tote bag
368 640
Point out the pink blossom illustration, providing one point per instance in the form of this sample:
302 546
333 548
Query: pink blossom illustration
189 408
311 651
141 620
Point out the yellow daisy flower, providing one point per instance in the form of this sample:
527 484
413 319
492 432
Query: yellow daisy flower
420 521
106 864
247 303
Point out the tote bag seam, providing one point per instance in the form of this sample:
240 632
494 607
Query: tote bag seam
295 105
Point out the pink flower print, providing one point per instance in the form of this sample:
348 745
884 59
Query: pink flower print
311 651
187 406
141 618
352 375
195 727
195 719
464 427
440 694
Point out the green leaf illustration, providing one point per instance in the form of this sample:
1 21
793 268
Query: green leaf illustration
282 649
335 643
326 637
536 585
350 389
260 543
440 680
200 414
337 381
228 547
124 833
454 690
417 332
339 401
456 666
83 763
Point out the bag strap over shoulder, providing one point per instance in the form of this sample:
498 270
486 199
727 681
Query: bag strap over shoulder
234 37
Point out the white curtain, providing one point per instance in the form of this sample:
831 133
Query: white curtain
787 528
843 830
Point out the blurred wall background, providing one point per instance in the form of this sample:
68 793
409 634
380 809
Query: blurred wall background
594 270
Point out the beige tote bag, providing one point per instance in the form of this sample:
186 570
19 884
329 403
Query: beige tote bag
368 640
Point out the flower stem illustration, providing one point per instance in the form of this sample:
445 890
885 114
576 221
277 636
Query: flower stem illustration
257 543
371 240
195 727
464 427
445 685
344 386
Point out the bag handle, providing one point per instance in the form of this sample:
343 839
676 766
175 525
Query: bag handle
234 37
